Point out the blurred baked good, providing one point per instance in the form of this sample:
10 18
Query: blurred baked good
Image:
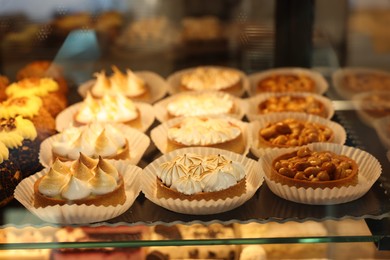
19 149
99 234
129 84
46 88
292 132
30 107
212 78
44 69
290 103
197 232
93 140
314 169
196 177
286 83
4 82
219 133
201 103
86 181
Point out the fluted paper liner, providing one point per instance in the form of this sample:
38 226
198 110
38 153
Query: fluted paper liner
253 107
157 86
321 85
260 121
174 80
66 117
359 103
339 75
138 143
161 112
81 214
368 166
159 134
382 127
254 179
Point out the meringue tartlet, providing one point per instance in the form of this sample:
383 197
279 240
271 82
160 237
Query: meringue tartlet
211 78
195 177
93 140
215 132
129 84
109 109
201 103
85 181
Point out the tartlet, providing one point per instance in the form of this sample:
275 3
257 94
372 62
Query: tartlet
109 109
92 140
129 84
281 80
314 169
200 104
217 132
194 177
85 182
211 78
309 104
292 132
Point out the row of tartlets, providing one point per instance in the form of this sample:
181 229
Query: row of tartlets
227 178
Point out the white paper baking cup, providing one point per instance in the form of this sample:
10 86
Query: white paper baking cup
382 127
321 85
254 179
138 143
159 134
369 171
66 117
161 112
81 214
261 121
174 80
339 75
157 86
253 102
360 105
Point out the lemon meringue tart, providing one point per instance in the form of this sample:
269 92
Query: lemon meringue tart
194 177
85 181
93 140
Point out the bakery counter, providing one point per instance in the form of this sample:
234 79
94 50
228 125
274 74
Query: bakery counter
263 207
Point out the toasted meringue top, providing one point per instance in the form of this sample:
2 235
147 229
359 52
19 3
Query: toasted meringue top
32 86
92 140
200 104
200 174
79 179
129 84
109 109
209 78
203 131
4 152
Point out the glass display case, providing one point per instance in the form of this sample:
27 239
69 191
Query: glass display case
80 42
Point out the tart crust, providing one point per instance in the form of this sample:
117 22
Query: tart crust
233 191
